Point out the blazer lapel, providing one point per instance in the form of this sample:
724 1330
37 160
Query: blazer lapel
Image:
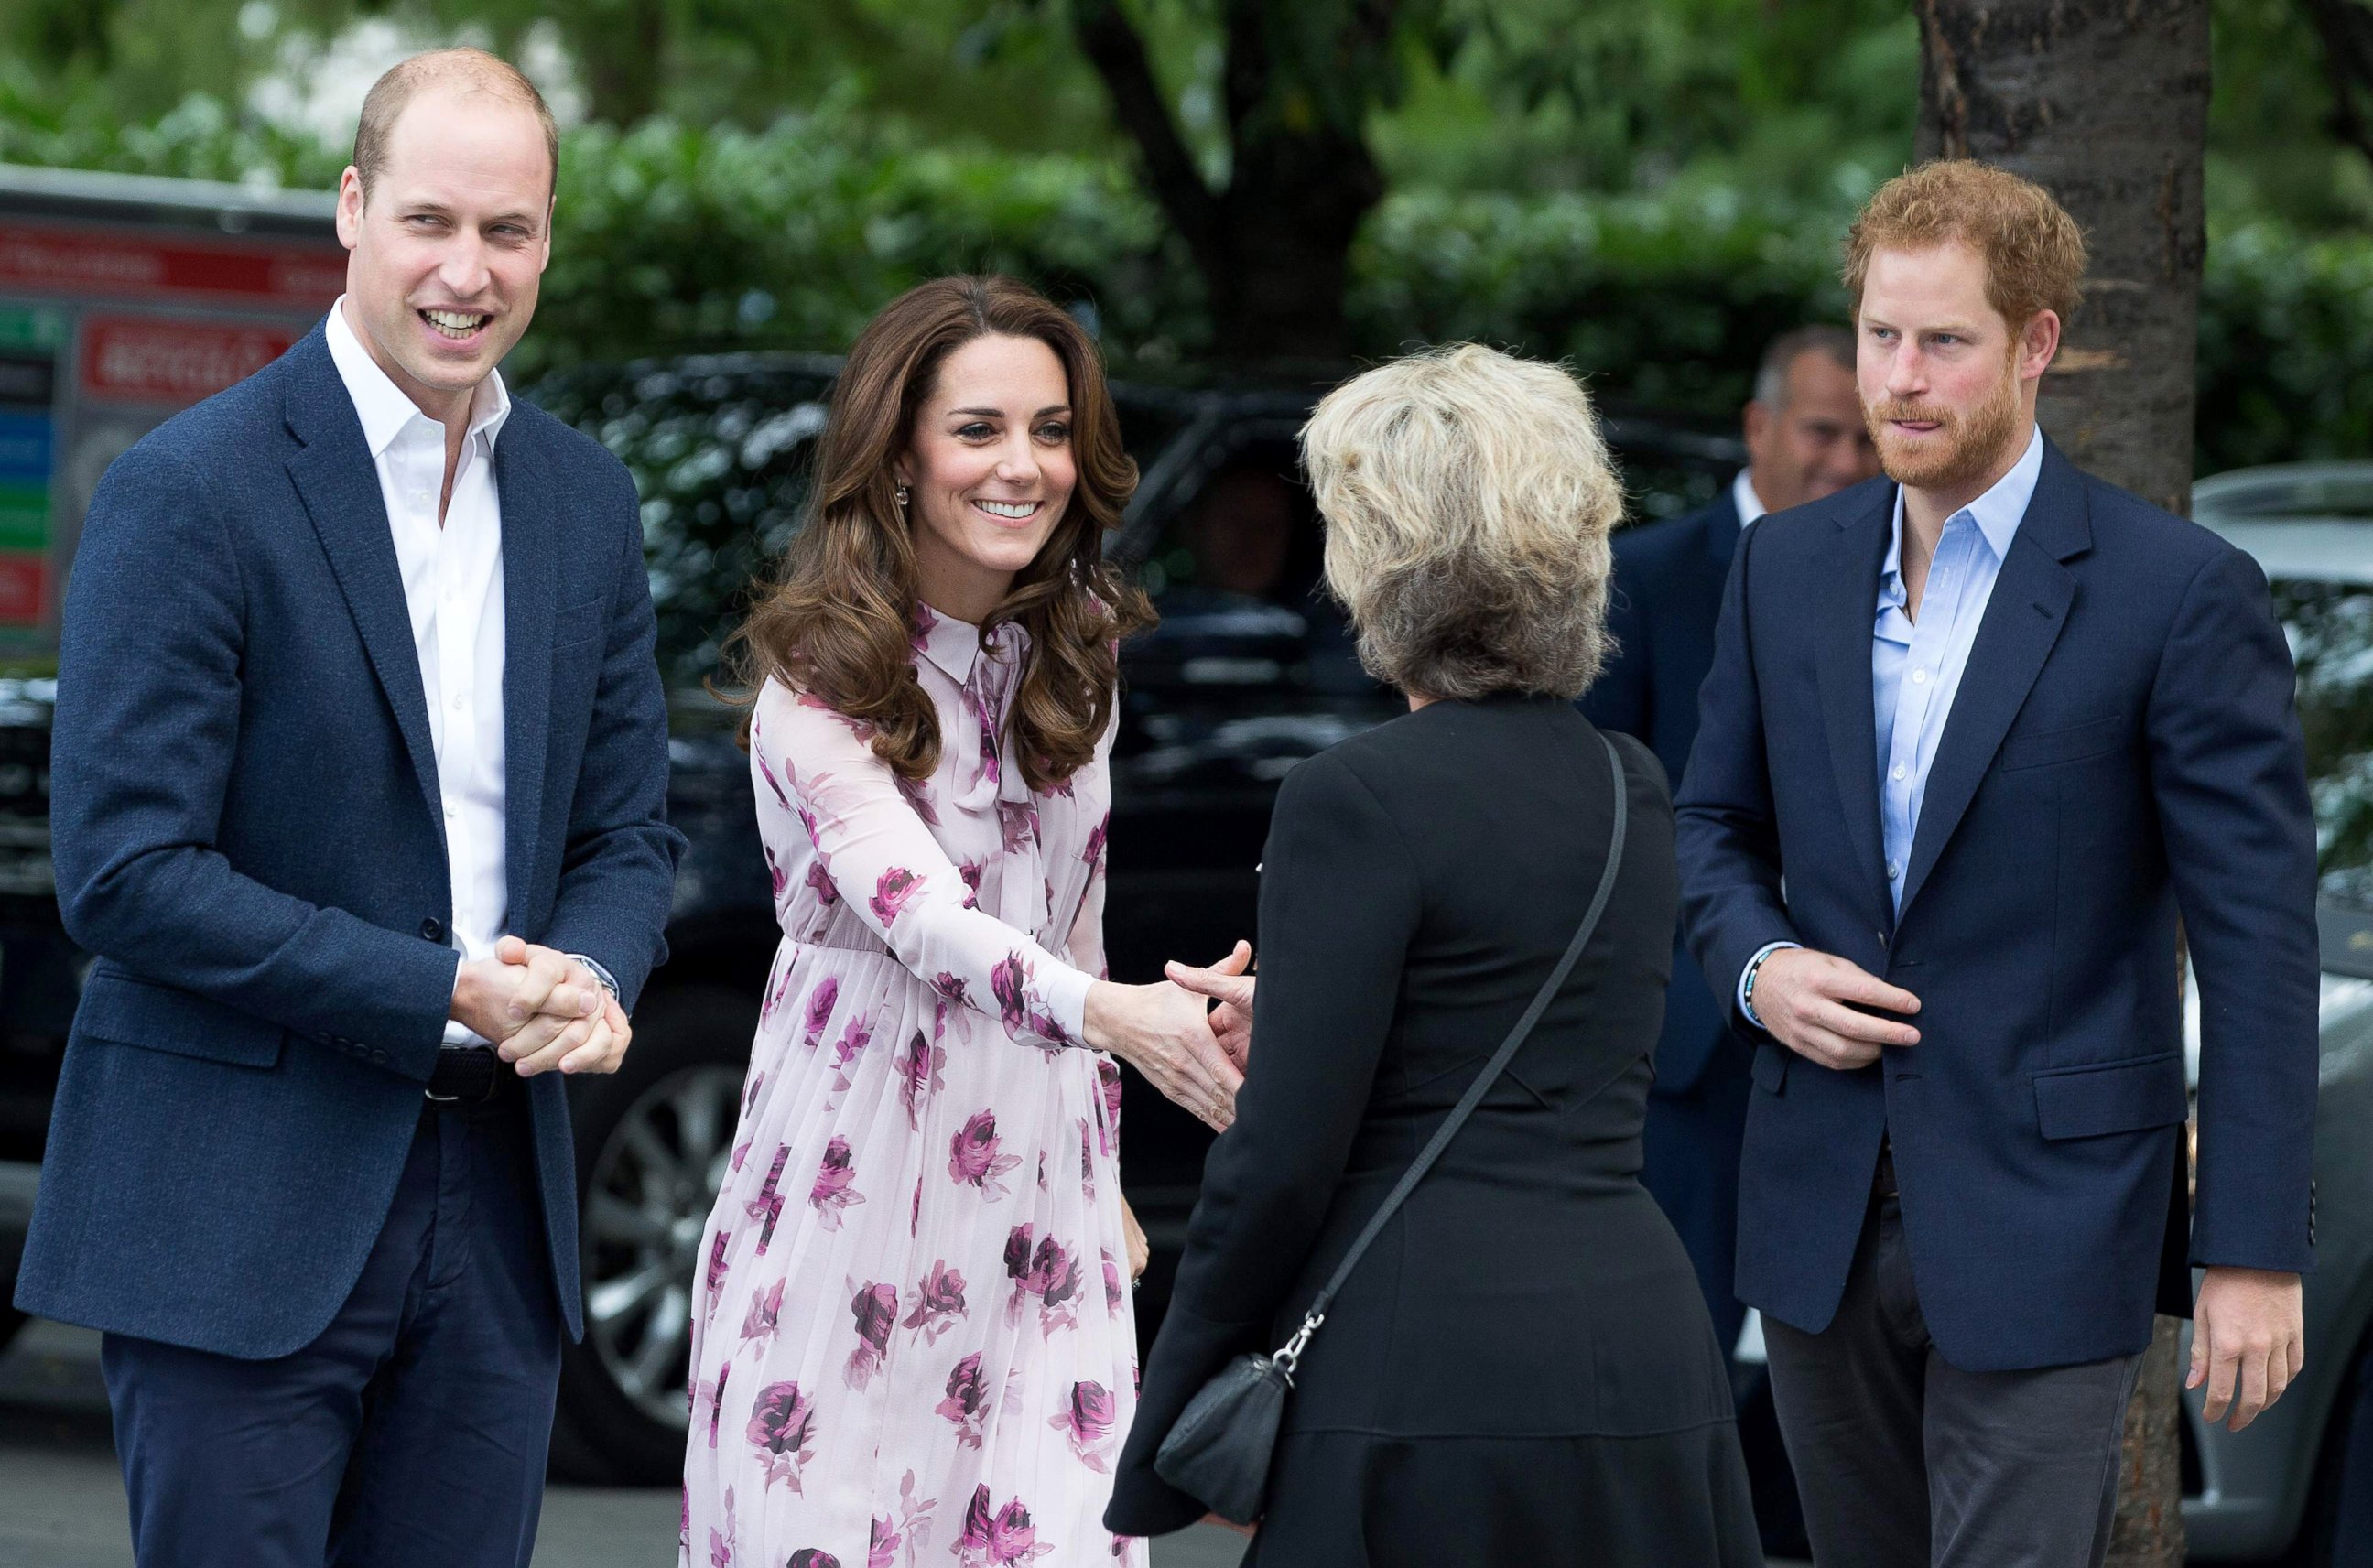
1847 600
531 543
338 482
2028 607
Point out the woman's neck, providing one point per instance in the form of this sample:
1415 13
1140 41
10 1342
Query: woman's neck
960 590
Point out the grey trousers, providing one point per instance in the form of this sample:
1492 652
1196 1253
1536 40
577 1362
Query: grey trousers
1905 1461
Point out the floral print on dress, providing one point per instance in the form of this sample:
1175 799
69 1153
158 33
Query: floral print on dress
782 1423
976 1156
1086 1422
875 1309
995 1539
939 1302
833 1190
858 1379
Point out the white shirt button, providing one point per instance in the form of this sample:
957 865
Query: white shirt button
1919 677
460 702
1899 774
1893 871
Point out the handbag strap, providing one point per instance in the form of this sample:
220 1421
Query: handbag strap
1291 1353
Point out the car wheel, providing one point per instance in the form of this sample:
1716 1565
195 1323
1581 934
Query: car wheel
653 1142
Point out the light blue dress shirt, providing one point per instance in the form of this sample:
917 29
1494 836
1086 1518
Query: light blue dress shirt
1916 667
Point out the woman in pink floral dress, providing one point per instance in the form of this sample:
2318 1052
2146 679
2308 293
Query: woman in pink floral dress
914 1342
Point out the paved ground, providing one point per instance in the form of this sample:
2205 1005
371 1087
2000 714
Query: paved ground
62 1498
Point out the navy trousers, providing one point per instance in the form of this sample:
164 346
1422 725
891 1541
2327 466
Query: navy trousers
1690 1157
412 1431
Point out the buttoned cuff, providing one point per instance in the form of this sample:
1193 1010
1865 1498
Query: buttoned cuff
1766 951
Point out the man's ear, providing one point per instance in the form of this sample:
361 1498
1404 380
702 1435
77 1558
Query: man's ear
350 208
2038 344
1754 420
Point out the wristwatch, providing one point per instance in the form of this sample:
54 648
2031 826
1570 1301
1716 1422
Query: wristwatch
608 982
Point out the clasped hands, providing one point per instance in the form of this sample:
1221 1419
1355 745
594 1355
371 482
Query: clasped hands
541 1008
1194 1052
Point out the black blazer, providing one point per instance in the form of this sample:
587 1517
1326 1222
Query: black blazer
1660 616
1420 881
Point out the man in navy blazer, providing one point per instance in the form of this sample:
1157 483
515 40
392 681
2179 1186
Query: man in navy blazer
1974 738
1804 439
359 778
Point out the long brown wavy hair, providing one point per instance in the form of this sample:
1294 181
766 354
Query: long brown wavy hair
838 618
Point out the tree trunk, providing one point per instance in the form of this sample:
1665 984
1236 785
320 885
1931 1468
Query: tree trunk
2105 104
1274 246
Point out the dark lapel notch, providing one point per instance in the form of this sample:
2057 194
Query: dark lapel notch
530 549
338 482
1847 602
2028 607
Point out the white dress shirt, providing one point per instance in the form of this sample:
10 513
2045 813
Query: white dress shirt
453 589
1742 495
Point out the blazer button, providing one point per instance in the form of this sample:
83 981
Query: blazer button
432 930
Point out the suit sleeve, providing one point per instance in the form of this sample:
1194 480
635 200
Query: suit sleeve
2228 773
1621 699
146 730
617 869
1725 827
1339 902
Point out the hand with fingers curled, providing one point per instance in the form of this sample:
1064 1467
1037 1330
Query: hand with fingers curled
1818 1005
542 1010
1164 1031
2248 1343
1230 988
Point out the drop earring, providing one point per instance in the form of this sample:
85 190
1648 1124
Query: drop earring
901 498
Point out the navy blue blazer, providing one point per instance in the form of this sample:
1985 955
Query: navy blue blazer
2123 748
1660 618
247 833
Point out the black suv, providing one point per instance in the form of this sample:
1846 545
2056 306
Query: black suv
1250 671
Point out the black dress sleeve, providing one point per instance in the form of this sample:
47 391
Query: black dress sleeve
1338 904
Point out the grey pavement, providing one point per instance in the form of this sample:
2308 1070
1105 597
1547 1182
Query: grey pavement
62 1497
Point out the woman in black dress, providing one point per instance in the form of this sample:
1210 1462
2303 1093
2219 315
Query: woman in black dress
1521 1370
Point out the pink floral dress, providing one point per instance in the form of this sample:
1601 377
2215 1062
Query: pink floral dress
914 1341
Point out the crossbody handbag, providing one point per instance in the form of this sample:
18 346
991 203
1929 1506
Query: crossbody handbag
1218 1448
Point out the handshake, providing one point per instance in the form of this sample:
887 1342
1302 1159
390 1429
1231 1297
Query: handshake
1195 1052
541 1009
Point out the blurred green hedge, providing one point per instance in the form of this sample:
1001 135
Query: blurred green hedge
672 238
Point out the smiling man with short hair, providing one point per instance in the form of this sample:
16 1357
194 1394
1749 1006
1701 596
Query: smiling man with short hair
360 766
1976 734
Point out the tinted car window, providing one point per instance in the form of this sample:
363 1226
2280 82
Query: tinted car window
2330 630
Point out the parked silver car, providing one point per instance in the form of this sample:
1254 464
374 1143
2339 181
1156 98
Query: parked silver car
2274 1490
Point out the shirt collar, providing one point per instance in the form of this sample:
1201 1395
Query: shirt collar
1996 514
947 642
383 407
1742 495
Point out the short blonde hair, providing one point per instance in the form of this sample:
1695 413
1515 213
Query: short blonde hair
474 69
1468 498
2033 251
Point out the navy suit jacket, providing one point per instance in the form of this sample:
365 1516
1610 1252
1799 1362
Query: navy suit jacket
2123 748
1660 618
247 833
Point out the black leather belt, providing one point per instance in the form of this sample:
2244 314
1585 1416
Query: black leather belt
466 1075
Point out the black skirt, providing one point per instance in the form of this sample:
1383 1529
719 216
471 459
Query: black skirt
1352 1500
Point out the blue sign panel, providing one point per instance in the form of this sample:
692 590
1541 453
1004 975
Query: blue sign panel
25 446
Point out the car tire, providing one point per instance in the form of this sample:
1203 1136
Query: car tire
653 1143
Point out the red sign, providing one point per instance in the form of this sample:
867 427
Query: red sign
24 579
58 259
141 359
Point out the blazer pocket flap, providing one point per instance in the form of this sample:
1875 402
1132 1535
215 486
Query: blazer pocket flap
165 1018
578 624
2117 1096
2074 744
1771 1068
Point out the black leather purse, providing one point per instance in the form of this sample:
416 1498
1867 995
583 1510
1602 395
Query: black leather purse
1218 1448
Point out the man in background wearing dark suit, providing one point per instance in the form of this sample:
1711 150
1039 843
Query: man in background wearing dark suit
1804 439
357 700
